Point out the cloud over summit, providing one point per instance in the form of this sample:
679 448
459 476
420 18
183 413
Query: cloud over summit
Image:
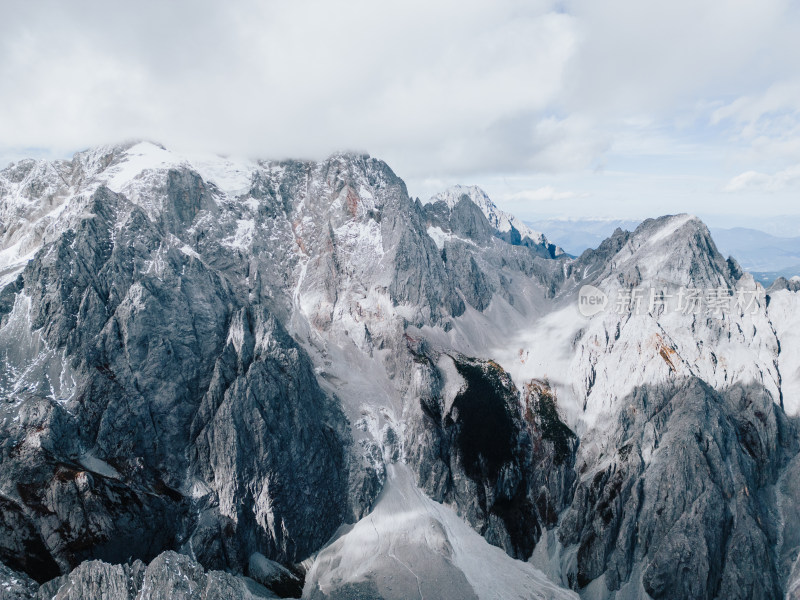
440 89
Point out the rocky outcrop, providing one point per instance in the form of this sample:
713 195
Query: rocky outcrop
479 263
504 458
16 586
688 479
781 283
503 225
135 371
269 446
170 576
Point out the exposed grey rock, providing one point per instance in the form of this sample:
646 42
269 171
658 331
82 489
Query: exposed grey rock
502 225
464 219
179 362
793 589
686 494
173 576
690 258
480 264
788 505
15 586
274 576
170 576
96 579
148 340
781 283
257 427
504 458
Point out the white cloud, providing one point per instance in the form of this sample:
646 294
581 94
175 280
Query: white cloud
766 124
435 81
753 180
650 58
777 99
443 90
544 194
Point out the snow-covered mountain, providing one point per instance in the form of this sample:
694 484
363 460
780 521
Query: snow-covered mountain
238 379
508 227
764 255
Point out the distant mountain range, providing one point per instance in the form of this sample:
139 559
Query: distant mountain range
764 255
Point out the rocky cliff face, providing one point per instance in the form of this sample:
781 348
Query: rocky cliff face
507 464
150 403
278 368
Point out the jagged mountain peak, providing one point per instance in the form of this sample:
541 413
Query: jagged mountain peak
499 219
664 226
781 283
508 226
452 196
672 249
349 157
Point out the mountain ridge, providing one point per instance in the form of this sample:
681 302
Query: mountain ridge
509 227
767 256
274 359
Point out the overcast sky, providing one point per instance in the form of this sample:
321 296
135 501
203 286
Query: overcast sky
575 108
